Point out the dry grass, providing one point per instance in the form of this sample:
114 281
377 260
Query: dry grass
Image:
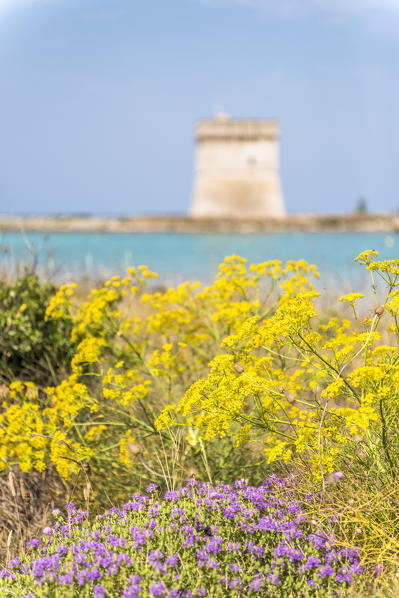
25 502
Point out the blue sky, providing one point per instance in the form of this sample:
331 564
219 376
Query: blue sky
99 97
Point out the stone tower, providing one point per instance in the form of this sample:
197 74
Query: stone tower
237 169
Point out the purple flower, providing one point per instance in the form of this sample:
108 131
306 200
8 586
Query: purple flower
280 550
212 564
155 555
229 512
235 567
311 583
157 589
132 592
14 563
66 579
171 561
151 488
294 555
316 540
326 571
313 561
274 579
99 592
34 543
235 582
255 584
214 544
71 508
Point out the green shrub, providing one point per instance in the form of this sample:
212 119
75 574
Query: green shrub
30 347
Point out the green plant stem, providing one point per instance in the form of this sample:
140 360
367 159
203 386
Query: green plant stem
313 350
385 435
203 452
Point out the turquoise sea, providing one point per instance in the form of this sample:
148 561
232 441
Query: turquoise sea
181 256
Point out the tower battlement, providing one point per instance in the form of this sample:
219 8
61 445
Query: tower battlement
237 169
236 130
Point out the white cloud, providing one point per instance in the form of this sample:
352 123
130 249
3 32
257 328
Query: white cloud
332 8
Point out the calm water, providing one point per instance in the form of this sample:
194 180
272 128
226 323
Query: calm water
177 257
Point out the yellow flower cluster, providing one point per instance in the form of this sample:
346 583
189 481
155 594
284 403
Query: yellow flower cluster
61 302
351 298
311 389
138 351
246 357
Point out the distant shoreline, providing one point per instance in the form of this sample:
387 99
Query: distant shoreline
186 224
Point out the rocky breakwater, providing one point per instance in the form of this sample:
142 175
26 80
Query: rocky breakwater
188 224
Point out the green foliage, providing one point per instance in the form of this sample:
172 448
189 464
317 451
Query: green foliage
361 206
30 347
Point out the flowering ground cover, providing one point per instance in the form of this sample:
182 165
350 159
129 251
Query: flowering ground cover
200 540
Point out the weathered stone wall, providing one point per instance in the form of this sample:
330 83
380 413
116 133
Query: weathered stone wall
237 170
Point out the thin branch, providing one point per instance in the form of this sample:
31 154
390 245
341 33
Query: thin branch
377 315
